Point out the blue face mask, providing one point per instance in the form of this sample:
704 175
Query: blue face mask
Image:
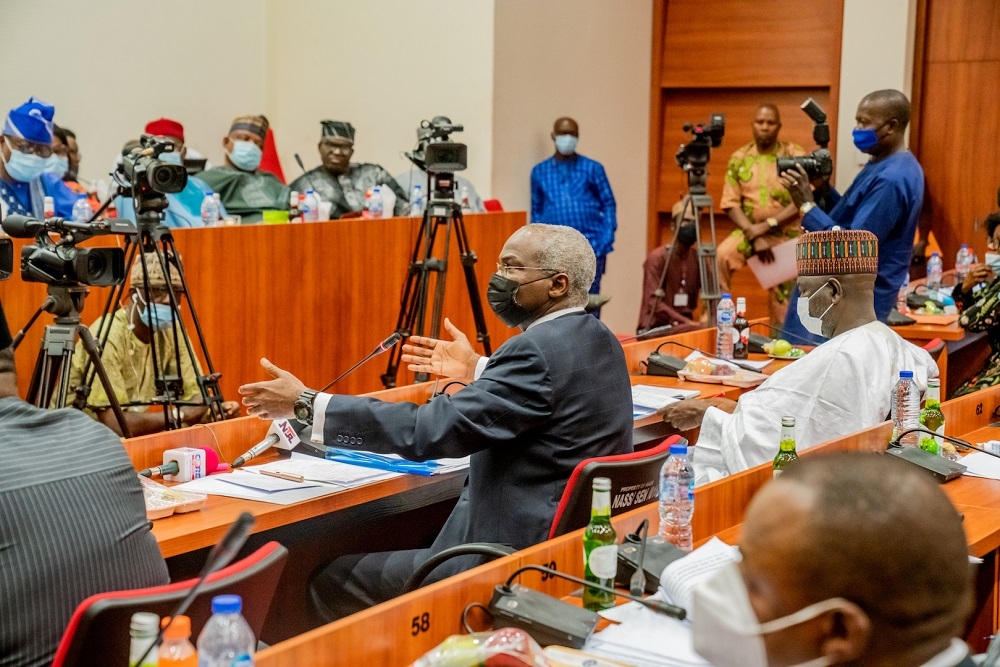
865 139
24 167
58 165
566 144
246 155
173 157
156 316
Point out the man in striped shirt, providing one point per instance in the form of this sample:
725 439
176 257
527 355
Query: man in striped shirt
72 520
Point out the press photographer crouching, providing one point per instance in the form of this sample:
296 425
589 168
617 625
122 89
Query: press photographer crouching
128 357
884 198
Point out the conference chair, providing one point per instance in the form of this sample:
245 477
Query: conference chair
639 471
935 348
98 632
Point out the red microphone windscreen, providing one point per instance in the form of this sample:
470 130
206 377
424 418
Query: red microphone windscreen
212 460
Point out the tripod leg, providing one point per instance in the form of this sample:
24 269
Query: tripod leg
90 345
39 377
472 283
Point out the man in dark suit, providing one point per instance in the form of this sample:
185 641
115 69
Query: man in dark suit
547 399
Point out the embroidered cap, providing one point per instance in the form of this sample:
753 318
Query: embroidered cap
156 278
338 128
836 252
32 121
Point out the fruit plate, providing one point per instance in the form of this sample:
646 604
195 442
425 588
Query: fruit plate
742 379
790 357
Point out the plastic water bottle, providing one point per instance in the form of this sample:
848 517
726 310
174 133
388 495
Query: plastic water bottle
417 200
901 298
934 272
375 203
677 498
226 640
466 206
49 207
209 210
81 209
310 207
725 315
905 408
963 262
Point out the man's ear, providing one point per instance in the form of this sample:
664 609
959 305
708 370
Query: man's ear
848 634
560 286
837 290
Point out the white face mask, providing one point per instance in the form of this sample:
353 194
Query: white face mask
993 261
813 325
725 628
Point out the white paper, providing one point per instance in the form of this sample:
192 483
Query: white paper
646 638
321 470
650 396
981 465
680 577
216 485
782 269
250 478
759 365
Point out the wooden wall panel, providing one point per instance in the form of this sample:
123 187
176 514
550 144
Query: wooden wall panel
739 105
314 299
734 43
963 31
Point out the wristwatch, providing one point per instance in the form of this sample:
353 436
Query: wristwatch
772 222
806 207
304 407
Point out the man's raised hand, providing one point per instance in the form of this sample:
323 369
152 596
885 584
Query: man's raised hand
453 359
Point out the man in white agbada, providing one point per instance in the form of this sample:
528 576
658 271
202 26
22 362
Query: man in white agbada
841 387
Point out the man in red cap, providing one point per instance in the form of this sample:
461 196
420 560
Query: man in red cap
183 208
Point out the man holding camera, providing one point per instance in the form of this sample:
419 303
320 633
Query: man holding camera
885 199
759 205
341 182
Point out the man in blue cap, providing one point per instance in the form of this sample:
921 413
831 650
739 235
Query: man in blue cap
25 152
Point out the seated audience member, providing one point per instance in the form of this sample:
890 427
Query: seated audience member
834 572
344 183
671 278
417 176
842 386
25 153
244 189
72 520
979 297
128 356
65 163
184 207
552 396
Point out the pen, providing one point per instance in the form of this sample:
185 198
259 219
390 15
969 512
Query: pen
291 477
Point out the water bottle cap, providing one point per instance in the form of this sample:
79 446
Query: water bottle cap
227 604
309 192
679 449
80 196
602 484
209 193
905 375
145 622
179 629
727 295
934 254
965 246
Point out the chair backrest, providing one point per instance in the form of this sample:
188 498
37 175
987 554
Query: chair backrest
934 347
635 481
98 632
492 205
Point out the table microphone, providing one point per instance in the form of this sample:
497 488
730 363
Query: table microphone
958 441
219 557
173 467
648 333
746 367
305 173
637 585
283 427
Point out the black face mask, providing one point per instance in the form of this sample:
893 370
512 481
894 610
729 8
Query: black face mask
687 235
501 292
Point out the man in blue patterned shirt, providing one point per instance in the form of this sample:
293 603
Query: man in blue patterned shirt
572 190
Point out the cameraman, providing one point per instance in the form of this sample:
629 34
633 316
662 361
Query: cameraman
885 199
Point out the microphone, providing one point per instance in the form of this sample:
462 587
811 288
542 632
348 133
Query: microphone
305 173
382 347
186 455
159 471
648 333
746 367
220 556
637 585
24 227
281 433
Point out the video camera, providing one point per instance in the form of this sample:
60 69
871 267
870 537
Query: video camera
439 157
146 179
61 263
819 163
693 156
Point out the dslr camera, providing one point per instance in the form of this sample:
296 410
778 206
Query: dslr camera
146 179
693 156
439 156
819 163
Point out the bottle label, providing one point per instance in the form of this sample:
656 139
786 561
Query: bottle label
725 317
777 472
604 561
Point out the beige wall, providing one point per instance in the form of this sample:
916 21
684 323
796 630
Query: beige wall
589 59
122 63
383 65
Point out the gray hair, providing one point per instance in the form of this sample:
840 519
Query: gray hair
568 251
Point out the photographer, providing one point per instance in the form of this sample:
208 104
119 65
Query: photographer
885 198
759 206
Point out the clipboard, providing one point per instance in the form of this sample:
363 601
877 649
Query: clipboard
782 269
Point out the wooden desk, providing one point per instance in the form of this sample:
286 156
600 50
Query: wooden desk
393 632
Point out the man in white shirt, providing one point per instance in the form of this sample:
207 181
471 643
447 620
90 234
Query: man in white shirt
842 386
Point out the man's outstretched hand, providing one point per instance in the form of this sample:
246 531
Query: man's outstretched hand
689 413
272 399
453 359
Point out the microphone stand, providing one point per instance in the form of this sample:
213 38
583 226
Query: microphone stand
919 429
637 584
746 367
649 333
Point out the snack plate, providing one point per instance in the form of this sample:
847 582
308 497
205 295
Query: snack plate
163 501
790 357
739 379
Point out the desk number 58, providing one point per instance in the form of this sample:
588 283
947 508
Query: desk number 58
420 624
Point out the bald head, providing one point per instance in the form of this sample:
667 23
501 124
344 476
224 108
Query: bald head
892 104
565 125
868 528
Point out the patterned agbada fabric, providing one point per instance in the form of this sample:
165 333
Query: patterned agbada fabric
751 180
836 252
245 193
347 191
981 312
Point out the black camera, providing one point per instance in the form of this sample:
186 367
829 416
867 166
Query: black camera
6 258
439 157
693 156
146 179
819 163
61 263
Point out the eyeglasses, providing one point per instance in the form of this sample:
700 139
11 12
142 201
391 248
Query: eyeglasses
336 148
28 147
505 269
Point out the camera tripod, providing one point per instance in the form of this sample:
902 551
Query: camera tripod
154 237
413 306
51 375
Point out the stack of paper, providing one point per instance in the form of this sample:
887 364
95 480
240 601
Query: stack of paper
647 399
254 486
